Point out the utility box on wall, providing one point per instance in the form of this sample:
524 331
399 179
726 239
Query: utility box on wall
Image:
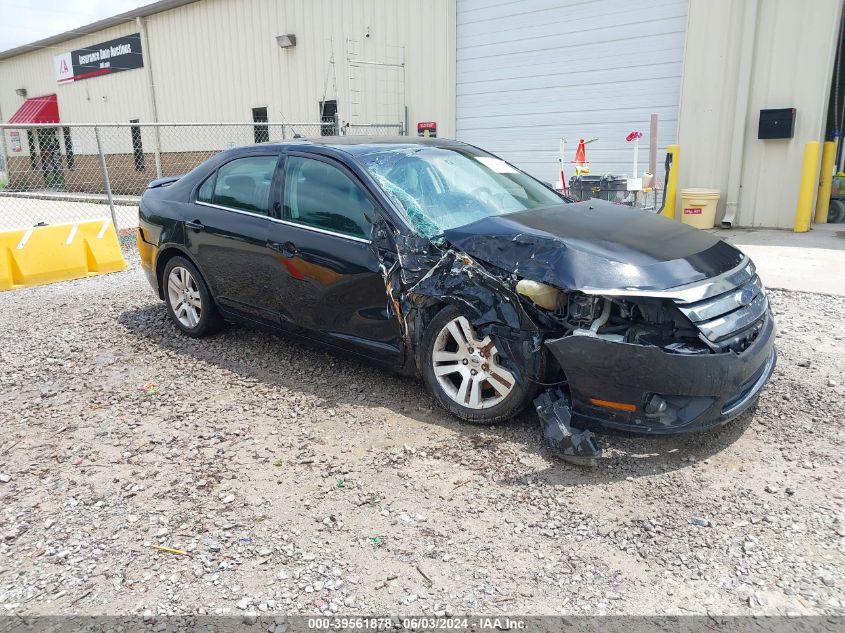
778 123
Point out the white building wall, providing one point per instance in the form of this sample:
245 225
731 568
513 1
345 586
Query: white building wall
214 60
792 47
530 72
117 97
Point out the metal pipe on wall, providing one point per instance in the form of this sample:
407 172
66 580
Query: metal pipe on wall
743 94
148 71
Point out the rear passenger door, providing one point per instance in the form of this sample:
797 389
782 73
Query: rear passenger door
332 285
226 232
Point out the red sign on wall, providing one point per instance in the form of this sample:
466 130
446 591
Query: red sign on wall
427 129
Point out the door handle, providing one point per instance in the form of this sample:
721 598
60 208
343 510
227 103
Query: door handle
288 249
196 225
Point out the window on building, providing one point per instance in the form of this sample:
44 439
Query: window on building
33 149
70 159
244 184
137 146
328 110
322 196
261 133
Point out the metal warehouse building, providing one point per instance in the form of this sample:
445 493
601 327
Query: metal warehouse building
513 76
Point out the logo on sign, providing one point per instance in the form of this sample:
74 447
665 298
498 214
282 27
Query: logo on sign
692 211
64 68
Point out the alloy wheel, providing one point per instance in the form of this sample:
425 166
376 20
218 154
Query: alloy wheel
467 368
184 296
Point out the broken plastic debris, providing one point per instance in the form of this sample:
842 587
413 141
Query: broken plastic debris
148 388
571 445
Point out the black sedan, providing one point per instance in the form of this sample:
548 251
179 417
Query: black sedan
433 257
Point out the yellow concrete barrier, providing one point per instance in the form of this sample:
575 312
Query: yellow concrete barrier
809 178
44 254
825 182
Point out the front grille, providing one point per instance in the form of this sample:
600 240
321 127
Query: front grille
731 319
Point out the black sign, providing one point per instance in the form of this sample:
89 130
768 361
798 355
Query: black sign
114 56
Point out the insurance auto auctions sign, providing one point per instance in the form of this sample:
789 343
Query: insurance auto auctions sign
114 56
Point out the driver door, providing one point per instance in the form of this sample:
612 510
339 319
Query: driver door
330 284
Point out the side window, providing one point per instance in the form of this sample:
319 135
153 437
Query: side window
206 190
244 184
320 195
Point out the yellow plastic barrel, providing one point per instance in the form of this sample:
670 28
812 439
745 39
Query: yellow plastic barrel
699 207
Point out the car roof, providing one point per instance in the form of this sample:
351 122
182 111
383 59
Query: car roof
363 144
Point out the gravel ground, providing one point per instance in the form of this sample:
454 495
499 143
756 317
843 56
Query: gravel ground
295 481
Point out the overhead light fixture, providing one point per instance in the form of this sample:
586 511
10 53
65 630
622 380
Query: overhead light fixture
21 92
286 41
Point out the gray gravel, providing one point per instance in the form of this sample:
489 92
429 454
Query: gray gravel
299 482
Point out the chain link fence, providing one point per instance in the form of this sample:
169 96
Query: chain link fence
53 174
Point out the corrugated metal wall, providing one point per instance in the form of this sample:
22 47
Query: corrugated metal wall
215 60
792 53
530 72
219 58
115 98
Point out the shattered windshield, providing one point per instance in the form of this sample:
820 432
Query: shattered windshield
443 188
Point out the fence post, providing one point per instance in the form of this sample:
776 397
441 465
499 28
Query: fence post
157 135
4 155
105 171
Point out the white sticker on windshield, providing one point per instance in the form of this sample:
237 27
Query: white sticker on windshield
496 164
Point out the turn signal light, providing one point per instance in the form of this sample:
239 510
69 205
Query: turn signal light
620 406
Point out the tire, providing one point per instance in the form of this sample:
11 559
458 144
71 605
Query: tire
836 211
188 299
446 364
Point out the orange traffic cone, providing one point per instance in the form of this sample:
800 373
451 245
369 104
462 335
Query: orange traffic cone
580 161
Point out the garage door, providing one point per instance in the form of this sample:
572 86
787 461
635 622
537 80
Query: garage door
530 72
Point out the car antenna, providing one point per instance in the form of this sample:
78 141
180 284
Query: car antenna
295 133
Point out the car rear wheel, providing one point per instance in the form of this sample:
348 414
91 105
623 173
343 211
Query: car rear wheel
465 373
189 302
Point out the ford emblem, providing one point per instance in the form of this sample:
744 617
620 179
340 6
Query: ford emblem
745 296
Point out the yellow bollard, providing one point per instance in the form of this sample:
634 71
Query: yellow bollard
672 184
809 177
825 182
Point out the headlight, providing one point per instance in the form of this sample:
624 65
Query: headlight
540 294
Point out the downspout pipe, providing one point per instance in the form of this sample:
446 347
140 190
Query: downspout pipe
148 70
743 94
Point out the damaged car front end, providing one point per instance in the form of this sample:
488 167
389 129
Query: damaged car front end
612 317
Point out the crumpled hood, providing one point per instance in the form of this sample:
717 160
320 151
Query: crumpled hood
596 245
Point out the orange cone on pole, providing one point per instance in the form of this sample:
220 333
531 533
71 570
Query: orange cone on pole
580 161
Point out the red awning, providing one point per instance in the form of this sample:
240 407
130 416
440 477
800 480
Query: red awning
37 110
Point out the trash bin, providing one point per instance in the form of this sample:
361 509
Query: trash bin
699 207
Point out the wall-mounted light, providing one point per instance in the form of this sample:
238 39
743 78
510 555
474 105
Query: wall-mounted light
21 92
286 41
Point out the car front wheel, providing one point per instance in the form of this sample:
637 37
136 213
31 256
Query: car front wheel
189 302
465 373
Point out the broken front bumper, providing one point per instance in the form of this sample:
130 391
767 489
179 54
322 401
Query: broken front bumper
700 391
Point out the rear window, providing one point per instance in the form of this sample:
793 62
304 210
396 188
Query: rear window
244 184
